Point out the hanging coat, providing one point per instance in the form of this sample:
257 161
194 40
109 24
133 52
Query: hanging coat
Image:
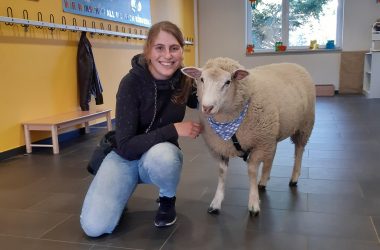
88 79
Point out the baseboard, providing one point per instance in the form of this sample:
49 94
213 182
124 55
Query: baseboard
325 89
12 152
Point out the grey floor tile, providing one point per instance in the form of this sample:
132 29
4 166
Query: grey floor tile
28 223
135 231
370 187
352 227
292 201
334 173
376 224
61 185
230 237
21 199
343 204
60 203
316 186
268 199
19 243
341 244
334 162
286 171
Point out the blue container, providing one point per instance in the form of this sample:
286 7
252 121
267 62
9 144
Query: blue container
330 44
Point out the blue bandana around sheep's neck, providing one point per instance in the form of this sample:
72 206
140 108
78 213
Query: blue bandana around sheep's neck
226 130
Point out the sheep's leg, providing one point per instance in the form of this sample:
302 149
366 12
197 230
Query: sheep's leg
267 167
299 149
219 194
299 139
254 201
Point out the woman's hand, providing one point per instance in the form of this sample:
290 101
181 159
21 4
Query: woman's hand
188 129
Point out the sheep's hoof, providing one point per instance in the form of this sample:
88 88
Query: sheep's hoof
292 184
211 210
262 188
253 213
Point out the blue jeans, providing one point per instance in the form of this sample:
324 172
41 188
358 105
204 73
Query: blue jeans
116 180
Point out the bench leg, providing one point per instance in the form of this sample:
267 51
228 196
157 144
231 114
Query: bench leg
86 127
27 139
109 122
54 138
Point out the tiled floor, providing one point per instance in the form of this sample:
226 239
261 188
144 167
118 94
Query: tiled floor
336 205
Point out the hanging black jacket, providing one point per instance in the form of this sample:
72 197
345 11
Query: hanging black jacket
135 109
88 79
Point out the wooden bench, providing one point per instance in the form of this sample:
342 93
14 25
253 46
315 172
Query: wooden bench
59 122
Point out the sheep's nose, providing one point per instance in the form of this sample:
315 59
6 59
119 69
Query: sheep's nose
207 109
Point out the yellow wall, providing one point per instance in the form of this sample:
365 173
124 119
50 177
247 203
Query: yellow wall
38 67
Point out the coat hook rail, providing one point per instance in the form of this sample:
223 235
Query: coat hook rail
26 23
10 20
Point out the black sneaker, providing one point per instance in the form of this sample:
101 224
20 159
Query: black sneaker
166 215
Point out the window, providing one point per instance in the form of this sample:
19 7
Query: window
295 23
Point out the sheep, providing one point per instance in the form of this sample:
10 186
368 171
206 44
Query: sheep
274 102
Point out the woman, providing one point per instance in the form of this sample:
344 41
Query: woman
150 107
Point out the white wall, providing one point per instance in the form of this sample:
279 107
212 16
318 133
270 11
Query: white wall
359 17
164 10
221 32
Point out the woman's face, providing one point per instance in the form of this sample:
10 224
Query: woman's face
165 56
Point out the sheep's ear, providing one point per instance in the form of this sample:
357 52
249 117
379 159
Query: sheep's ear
239 74
192 72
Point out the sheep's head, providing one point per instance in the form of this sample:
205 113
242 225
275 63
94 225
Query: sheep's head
216 87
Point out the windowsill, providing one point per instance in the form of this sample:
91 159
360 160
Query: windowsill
298 51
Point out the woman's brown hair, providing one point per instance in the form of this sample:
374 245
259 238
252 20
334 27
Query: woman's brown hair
181 94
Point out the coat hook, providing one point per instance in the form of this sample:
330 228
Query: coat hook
109 29
52 22
93 25
25 15
102 28
123 30
74 24
39 18
116 30
135 32
84 23
63 22
9 14
129 34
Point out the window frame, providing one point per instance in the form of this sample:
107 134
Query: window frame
285 30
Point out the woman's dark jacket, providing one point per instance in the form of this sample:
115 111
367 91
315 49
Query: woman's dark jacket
135 110
88 79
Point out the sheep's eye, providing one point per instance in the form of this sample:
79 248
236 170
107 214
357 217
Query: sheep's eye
226 84
201 79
